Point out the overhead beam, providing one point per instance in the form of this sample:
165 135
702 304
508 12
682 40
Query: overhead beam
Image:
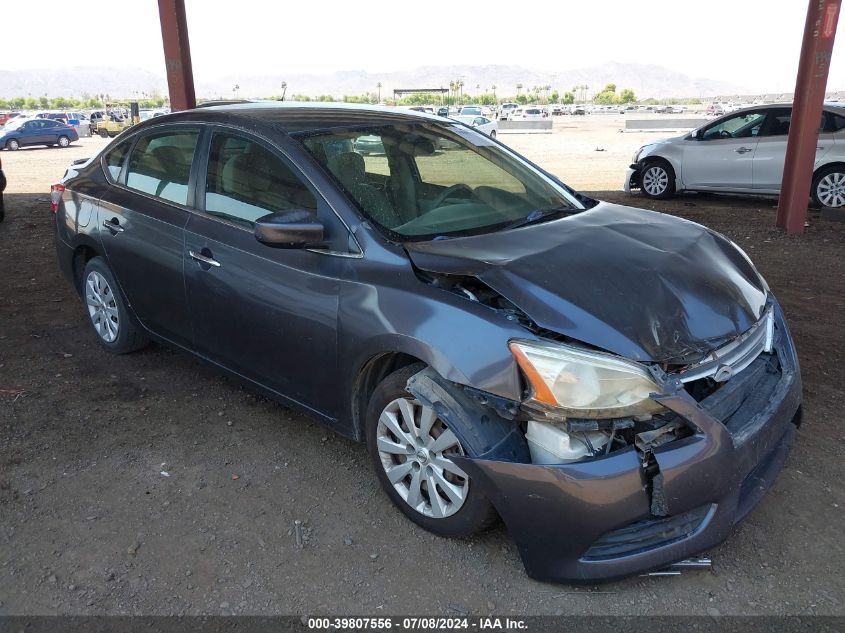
177 54
813 67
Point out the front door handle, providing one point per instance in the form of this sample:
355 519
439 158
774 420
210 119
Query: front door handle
204 259
819 148
113 225
743 150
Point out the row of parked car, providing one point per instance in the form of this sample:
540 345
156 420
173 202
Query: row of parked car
62 127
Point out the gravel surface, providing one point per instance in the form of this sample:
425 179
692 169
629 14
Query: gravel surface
151 484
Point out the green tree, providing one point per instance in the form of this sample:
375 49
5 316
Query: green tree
555 96
627 96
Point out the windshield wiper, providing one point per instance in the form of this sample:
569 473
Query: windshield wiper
538 215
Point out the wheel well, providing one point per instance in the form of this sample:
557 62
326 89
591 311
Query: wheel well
838 163
81 256
372 373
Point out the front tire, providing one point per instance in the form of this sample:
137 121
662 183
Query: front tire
103 133
107 310
492 133
657 180
829 187
13 145
410 446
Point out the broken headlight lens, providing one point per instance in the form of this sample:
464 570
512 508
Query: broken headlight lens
585 384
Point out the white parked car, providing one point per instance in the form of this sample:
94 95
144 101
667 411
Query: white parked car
527 114
506 109
741 152
471 110
480 123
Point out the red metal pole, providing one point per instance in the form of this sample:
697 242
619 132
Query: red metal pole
177 54
816 49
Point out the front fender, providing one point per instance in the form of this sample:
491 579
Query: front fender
464 342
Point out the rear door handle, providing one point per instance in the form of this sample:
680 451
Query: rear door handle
113 225
204 259
743 150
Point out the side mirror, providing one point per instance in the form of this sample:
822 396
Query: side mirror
694 135
289 229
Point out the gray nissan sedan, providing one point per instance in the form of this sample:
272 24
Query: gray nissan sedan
618 385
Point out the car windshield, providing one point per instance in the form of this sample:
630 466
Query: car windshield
425 180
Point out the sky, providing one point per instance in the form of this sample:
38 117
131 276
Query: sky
747 42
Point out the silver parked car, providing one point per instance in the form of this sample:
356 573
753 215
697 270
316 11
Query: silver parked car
741 152
480 123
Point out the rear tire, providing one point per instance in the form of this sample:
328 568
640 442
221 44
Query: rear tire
657 180
64 141
108 311
829 187
103 133
415 459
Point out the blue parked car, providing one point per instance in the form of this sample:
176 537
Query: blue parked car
18 133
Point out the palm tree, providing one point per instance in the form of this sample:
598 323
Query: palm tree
284 89
518 88
493 87
235 90
378 85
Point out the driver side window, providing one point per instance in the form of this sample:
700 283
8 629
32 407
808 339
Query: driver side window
745 125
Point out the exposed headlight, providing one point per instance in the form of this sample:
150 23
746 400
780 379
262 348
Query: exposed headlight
585 384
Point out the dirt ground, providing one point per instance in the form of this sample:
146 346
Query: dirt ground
90 524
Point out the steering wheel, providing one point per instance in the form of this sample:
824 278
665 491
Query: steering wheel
725 134
447 192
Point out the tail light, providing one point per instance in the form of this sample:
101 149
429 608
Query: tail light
56 192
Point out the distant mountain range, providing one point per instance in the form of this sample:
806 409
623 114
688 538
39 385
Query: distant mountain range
646 81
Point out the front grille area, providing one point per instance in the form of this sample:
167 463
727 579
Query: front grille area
740 402
645 535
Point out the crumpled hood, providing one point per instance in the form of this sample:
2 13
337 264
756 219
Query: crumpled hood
641 284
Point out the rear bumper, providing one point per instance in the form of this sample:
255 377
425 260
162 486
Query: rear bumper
64 255
591 521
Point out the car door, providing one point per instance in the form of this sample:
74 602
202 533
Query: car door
52 131
722 154
771 148
32 133
141 222
268 314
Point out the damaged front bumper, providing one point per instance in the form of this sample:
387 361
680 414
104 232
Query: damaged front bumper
605 518
632 178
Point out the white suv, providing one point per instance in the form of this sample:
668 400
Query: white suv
741 152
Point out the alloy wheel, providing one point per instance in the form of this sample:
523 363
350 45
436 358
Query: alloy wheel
414 446
655 180
831 189
102 306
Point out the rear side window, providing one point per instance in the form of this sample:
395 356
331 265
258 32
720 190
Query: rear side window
114 160
160 165
245 181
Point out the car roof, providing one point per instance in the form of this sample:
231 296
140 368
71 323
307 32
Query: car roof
299 117
840 108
